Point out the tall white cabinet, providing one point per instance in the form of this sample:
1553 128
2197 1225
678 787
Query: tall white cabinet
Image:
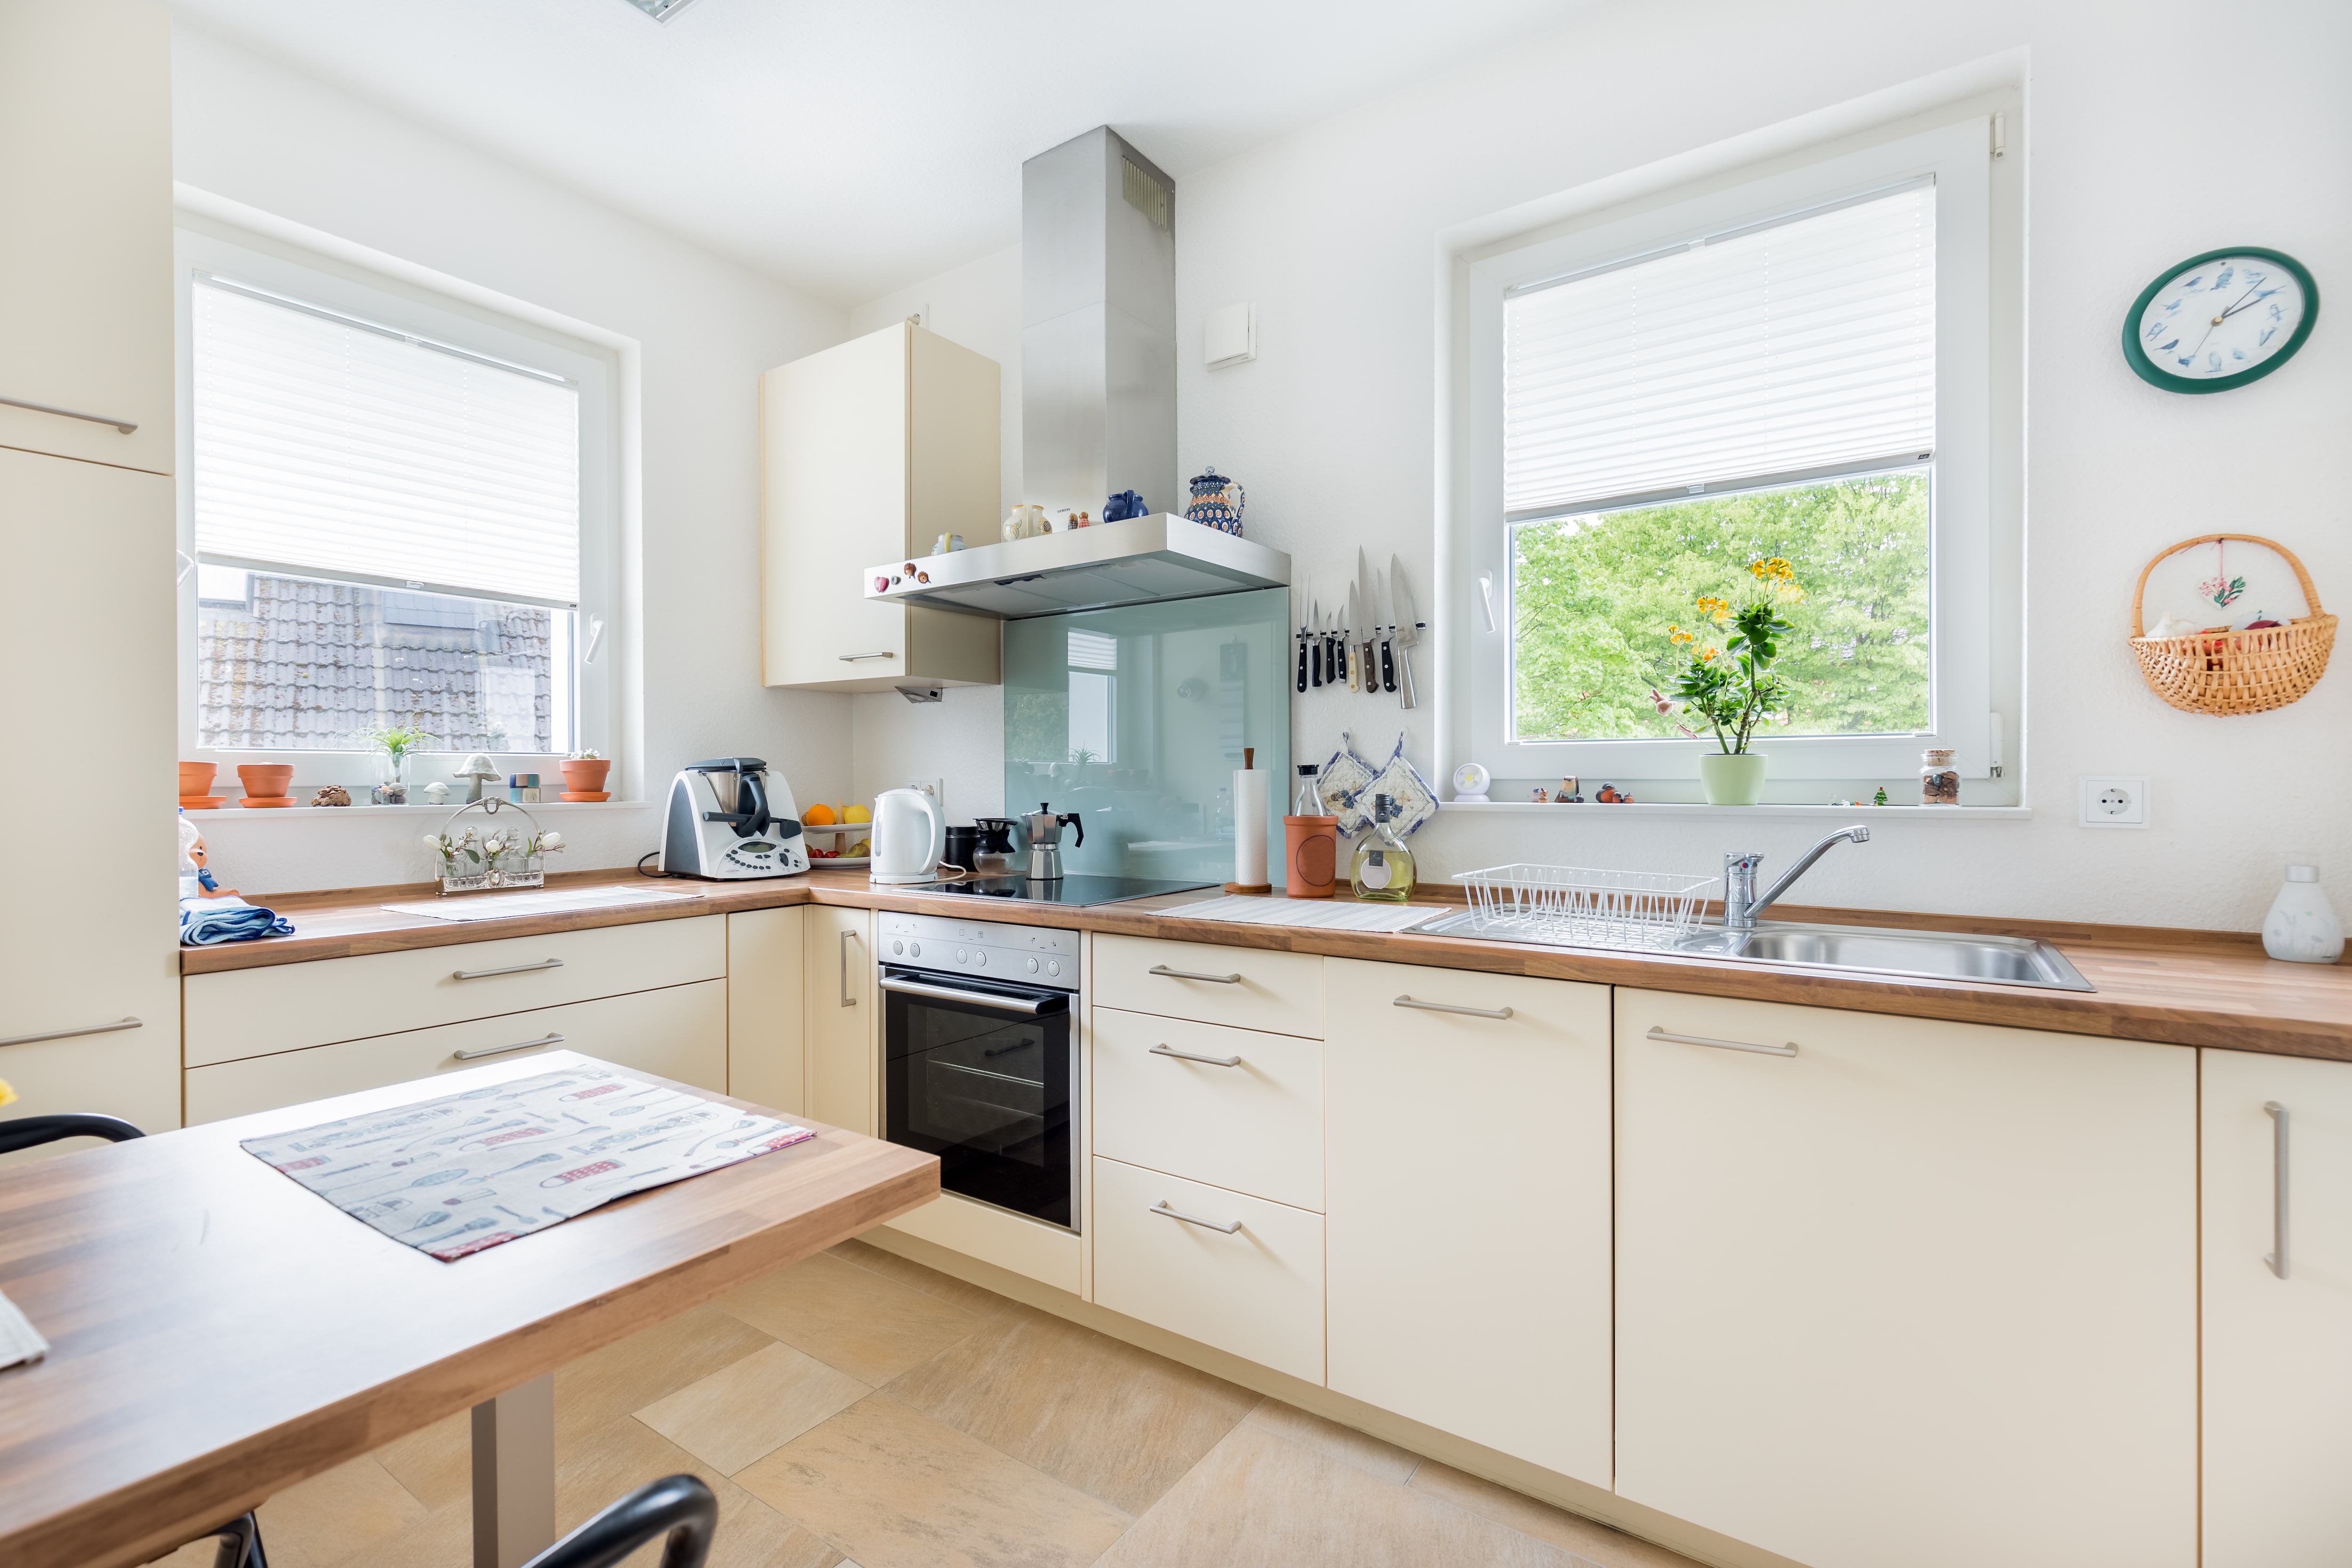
1909 1293
2277 1164
87 512
871 450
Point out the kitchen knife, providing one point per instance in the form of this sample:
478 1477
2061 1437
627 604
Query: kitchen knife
1384 622
1362 649
1302 642
1314 640
1354 633
1408 631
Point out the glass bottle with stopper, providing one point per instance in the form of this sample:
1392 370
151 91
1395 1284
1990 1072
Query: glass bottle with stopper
1310 793
1382 869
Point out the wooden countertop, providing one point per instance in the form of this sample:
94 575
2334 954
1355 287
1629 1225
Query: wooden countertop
2179 987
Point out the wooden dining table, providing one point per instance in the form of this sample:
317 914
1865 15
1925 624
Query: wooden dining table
217 1333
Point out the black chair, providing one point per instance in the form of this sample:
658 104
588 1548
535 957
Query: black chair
240 1538
679 1506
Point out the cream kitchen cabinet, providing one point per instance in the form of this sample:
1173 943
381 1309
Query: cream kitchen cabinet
678 1032
767 1027
1243 987
95 939
1900 1292
2277 1265
871 450
1468 1205
86 282
1238 1108
844 1064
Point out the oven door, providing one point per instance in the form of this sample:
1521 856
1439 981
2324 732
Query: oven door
982 1074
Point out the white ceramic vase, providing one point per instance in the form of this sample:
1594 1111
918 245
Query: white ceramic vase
1733 778
2302 926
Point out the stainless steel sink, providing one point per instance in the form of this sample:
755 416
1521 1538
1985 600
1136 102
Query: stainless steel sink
1934 956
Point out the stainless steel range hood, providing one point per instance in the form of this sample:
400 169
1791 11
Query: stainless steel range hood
1097 407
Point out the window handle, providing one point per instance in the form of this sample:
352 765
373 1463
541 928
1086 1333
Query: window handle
1228 1228
1450 1008
125 426
847 998
2277 1258
1787 1050
1192 974
1168 1050
510 969
502 1051
69 1033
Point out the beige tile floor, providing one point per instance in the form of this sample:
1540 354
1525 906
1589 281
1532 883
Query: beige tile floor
859 1410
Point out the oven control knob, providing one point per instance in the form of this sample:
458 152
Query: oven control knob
962 957
1053 968
1032 966
898 947
914 950
980 958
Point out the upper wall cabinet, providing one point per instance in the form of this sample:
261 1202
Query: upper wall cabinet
86 209
872 449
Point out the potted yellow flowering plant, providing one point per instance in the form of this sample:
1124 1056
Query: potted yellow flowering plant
1730 684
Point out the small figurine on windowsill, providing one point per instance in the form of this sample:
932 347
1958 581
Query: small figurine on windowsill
197 881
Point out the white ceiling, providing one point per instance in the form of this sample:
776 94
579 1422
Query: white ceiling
850 149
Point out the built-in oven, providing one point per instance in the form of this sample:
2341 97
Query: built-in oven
979 1058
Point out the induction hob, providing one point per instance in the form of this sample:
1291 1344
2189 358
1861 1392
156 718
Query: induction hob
1075 892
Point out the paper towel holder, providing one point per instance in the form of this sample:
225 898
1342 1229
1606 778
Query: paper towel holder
1245 889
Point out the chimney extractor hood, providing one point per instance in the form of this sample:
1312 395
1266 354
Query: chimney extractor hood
1097 408
1144 560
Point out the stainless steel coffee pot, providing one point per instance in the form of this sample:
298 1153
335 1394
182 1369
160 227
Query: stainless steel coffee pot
1042 828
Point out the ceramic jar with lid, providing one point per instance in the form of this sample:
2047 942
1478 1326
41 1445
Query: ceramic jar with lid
1940 781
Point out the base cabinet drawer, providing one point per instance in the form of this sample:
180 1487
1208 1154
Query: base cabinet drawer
239 1013
1254 1290
1245 987
678 1032
1233 1108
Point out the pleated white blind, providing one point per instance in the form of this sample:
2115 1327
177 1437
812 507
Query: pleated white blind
327 447
1804 344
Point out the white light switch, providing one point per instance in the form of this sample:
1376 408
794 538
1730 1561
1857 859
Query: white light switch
1229 336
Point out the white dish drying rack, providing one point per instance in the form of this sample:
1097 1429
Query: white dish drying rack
1575 906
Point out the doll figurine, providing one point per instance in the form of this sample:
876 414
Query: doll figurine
197 881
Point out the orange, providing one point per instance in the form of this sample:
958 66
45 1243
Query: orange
820 814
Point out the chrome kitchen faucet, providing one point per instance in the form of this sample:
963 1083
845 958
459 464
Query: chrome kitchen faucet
1740 904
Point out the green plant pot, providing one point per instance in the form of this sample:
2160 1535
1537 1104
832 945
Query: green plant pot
1732 779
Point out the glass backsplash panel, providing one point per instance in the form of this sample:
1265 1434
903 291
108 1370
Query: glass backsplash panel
1135 719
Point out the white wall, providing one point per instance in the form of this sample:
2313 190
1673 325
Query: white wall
1339 234
959 739
248 130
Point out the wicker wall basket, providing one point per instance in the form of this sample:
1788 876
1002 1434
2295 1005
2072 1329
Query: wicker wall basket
2235 672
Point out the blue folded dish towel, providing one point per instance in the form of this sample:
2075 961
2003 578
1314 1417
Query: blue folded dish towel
204 921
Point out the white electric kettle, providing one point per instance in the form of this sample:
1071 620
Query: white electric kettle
910 833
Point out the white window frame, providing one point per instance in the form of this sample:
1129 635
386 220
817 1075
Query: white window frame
1955 156
336 285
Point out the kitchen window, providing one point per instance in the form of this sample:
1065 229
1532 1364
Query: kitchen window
1794 366
395 515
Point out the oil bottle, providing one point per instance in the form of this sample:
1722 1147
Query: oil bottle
1382 868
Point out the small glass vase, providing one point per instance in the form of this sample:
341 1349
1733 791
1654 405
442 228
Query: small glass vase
391 779
460 875
514 870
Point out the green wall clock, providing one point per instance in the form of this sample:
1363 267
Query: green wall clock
2221 320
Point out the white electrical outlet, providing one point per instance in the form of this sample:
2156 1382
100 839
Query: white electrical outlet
2115 803
936 788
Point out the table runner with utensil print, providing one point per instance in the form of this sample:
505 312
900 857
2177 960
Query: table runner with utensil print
466 1172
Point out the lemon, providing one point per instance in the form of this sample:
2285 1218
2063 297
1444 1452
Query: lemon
857 813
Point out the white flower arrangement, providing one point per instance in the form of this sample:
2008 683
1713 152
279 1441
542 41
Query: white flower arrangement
446 848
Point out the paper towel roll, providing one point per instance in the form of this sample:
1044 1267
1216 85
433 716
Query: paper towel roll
1249 825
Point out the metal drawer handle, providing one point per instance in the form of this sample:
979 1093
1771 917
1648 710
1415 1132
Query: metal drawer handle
510 969
1787 1050
1168 1050
854 657
502 1051
1228 1228
69 1033
1450 1008
2277 1258
1189 975
125 426
848 998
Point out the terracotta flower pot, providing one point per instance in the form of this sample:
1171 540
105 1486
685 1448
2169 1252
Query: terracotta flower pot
196 779
267 782
584 776
1311 855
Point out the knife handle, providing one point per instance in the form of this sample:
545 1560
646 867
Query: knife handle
1388 668
1315 654
1302 661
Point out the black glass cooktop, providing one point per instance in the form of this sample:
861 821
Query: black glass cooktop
1075 891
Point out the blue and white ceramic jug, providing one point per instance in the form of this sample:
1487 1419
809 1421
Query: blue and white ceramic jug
1216 503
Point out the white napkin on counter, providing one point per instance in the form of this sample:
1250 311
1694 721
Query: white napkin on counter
19 1340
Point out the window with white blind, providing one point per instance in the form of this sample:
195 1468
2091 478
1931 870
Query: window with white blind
1793 368
394 518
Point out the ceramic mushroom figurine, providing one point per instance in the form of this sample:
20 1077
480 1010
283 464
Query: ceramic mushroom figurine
478 769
